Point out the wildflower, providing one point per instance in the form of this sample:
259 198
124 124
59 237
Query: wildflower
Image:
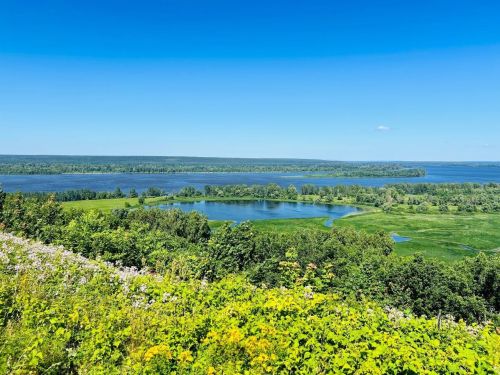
234 336
165 297
161 349
185 356
308 293
204 283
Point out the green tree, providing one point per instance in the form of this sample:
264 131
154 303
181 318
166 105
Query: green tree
231 249
118 193
291 192
443 208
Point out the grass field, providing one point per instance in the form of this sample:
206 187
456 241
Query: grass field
443 236
109 204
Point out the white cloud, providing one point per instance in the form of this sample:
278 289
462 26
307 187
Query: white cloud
382 128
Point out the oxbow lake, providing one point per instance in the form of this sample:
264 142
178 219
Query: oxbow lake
436 173
239 211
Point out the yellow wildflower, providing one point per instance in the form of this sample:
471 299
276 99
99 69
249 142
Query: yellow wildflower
161 349
234 336
185 356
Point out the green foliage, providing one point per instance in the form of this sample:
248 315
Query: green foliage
64 314
230 249
189 191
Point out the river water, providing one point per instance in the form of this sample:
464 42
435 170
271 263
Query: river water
436 173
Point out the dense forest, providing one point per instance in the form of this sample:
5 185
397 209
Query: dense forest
27 164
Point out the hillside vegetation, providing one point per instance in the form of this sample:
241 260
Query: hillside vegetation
62 313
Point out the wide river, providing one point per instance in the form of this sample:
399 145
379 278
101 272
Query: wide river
259 210
436 173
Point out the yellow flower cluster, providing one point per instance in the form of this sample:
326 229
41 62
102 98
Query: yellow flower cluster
162 350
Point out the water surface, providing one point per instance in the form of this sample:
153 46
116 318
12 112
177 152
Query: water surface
239 211
397 238
436 173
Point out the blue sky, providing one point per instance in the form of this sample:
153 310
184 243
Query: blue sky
350 80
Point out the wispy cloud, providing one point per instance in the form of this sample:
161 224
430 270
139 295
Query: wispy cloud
382 128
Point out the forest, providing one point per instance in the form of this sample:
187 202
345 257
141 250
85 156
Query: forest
29 164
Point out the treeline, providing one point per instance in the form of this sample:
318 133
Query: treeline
467 197
370 171
87 194
352 263
87 164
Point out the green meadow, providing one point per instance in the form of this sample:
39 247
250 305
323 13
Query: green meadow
445 236
448 237
109 204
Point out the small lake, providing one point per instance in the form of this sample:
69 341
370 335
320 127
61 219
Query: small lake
239 211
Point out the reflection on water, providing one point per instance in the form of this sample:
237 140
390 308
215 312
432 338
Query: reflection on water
259 210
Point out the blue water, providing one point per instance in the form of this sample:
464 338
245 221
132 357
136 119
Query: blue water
397 238
436 173
259 210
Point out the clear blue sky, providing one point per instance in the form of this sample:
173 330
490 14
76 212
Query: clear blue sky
344 80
